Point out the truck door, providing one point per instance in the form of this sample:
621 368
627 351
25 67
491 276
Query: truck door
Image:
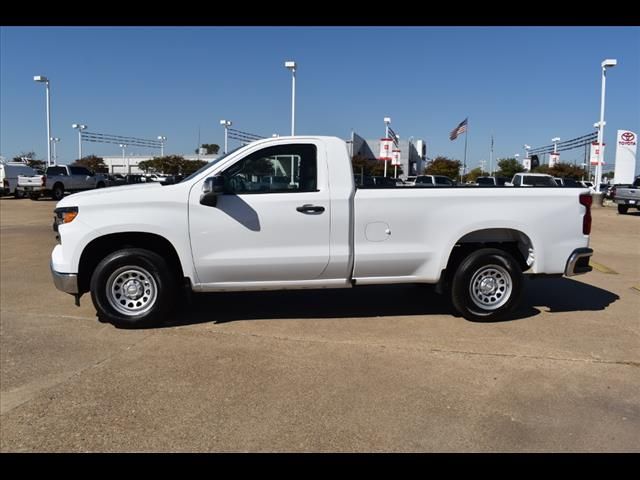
272 222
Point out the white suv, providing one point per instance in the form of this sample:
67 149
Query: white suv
533 180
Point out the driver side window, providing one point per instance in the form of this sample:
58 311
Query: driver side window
279 169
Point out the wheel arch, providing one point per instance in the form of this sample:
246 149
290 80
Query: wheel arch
510 240
102 246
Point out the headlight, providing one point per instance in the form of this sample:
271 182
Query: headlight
64 215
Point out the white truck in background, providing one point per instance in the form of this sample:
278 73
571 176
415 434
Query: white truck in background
224 228
9 177
60 179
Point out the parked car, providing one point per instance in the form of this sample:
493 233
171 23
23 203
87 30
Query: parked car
434 180
491 181
411 180
567 182
627 196
134 248
533 180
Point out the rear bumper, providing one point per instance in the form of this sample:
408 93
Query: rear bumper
578 262
66 282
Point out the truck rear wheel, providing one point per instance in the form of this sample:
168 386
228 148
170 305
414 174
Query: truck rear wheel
487 285
622 209
58 192
132 288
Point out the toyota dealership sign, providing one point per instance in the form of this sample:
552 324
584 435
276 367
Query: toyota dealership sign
626 145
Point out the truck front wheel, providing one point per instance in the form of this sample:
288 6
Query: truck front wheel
132 288
622 209
487 285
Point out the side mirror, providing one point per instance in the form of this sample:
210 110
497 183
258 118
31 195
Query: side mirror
212 187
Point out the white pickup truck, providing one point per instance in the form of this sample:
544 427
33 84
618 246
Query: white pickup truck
226 228
60 179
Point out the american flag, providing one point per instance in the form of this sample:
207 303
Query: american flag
393 136
460 129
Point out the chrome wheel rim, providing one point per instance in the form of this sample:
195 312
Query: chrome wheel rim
131 290
490 287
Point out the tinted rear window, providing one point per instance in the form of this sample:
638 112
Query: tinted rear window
539 181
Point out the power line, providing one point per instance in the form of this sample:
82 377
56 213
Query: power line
566 145
130 141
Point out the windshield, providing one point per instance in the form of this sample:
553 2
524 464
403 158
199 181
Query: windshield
212 162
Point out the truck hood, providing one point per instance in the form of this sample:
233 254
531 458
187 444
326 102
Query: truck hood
104 194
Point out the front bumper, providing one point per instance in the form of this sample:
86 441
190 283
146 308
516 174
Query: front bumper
66 282
578 262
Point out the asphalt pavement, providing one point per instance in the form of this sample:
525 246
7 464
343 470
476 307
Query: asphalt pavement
371 369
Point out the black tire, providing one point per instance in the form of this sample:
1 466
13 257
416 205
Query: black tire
34 196
133 268
100 185
502 279
18 194
58 192
622 209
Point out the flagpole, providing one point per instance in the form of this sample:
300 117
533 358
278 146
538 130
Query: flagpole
491 158
464 165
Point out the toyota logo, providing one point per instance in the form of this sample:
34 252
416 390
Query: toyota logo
628 136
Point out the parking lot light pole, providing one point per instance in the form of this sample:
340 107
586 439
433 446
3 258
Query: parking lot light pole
162 140
226 124
54 140
291 65
123 146
45 80
79 127
609 62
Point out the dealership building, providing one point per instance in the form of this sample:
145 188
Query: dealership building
413 153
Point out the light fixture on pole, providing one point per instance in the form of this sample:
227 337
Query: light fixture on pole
54 140
45 80
162 140
555 141
291 65
123 146
226 124
609 62
79 127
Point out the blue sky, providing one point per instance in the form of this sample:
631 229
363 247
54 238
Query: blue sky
523 84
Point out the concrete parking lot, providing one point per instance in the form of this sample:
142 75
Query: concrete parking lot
368 369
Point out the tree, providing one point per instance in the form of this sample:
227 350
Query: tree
508 167
474 174
30 159
443 166
93 163
190 166
211 148
567 170
371 167
541 169
170 165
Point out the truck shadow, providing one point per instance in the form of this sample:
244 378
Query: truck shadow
558 295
